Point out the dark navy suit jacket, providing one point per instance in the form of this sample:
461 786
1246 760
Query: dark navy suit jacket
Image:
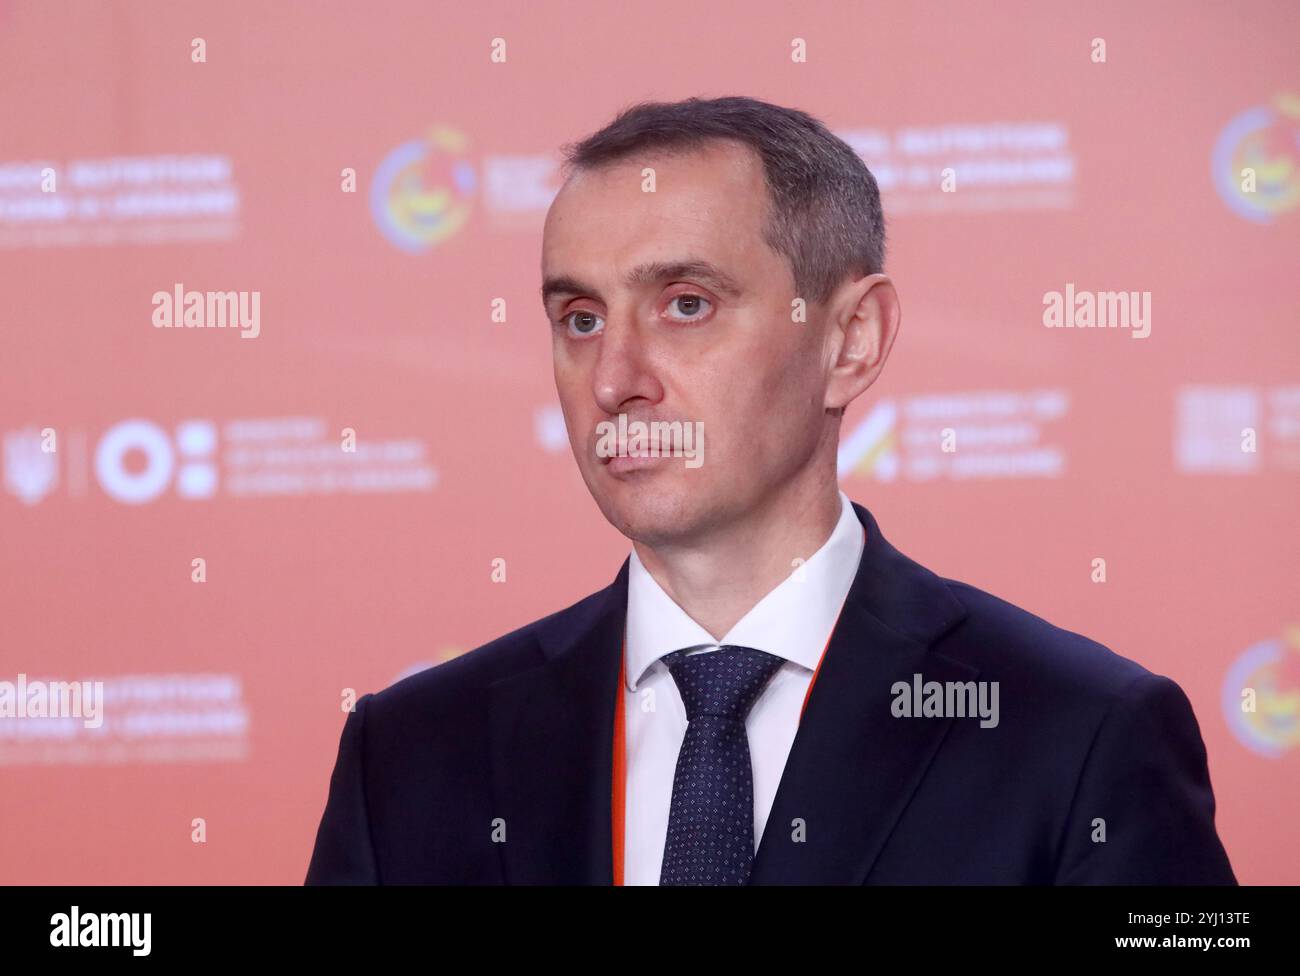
518 734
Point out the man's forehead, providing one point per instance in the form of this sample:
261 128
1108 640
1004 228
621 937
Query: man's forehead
703 201
728 175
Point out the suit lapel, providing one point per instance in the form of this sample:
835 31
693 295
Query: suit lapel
853 766
551 741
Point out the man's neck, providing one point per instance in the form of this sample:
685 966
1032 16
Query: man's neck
718 583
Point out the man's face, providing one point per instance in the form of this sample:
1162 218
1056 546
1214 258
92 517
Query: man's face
680 344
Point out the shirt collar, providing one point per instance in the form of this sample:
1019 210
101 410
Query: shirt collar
793 621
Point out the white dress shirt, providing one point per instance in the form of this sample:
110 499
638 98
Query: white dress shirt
793 621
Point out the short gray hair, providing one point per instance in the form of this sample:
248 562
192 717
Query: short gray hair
825 214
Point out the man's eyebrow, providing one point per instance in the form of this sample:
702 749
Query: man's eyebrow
650 273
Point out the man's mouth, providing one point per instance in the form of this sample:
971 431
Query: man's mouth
624 464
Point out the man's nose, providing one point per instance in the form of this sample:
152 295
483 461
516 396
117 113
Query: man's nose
623 368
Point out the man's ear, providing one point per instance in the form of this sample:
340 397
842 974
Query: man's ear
864 322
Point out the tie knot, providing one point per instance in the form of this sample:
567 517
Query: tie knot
725 682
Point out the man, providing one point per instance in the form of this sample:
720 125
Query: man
768 692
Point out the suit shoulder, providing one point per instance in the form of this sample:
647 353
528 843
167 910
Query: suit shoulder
999 637
468 675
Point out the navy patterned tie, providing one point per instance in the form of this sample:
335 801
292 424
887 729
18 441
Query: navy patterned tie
711 819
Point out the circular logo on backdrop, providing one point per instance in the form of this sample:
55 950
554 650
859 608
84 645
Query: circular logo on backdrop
1265 140
424 190
1271 669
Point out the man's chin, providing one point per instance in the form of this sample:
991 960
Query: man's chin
650 510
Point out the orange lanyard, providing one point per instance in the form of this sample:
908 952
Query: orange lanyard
619 798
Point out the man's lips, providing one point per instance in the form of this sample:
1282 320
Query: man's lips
648 451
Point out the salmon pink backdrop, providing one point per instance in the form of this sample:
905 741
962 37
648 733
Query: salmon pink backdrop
375 177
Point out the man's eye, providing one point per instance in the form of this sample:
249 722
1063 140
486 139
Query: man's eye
691 306
584 322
